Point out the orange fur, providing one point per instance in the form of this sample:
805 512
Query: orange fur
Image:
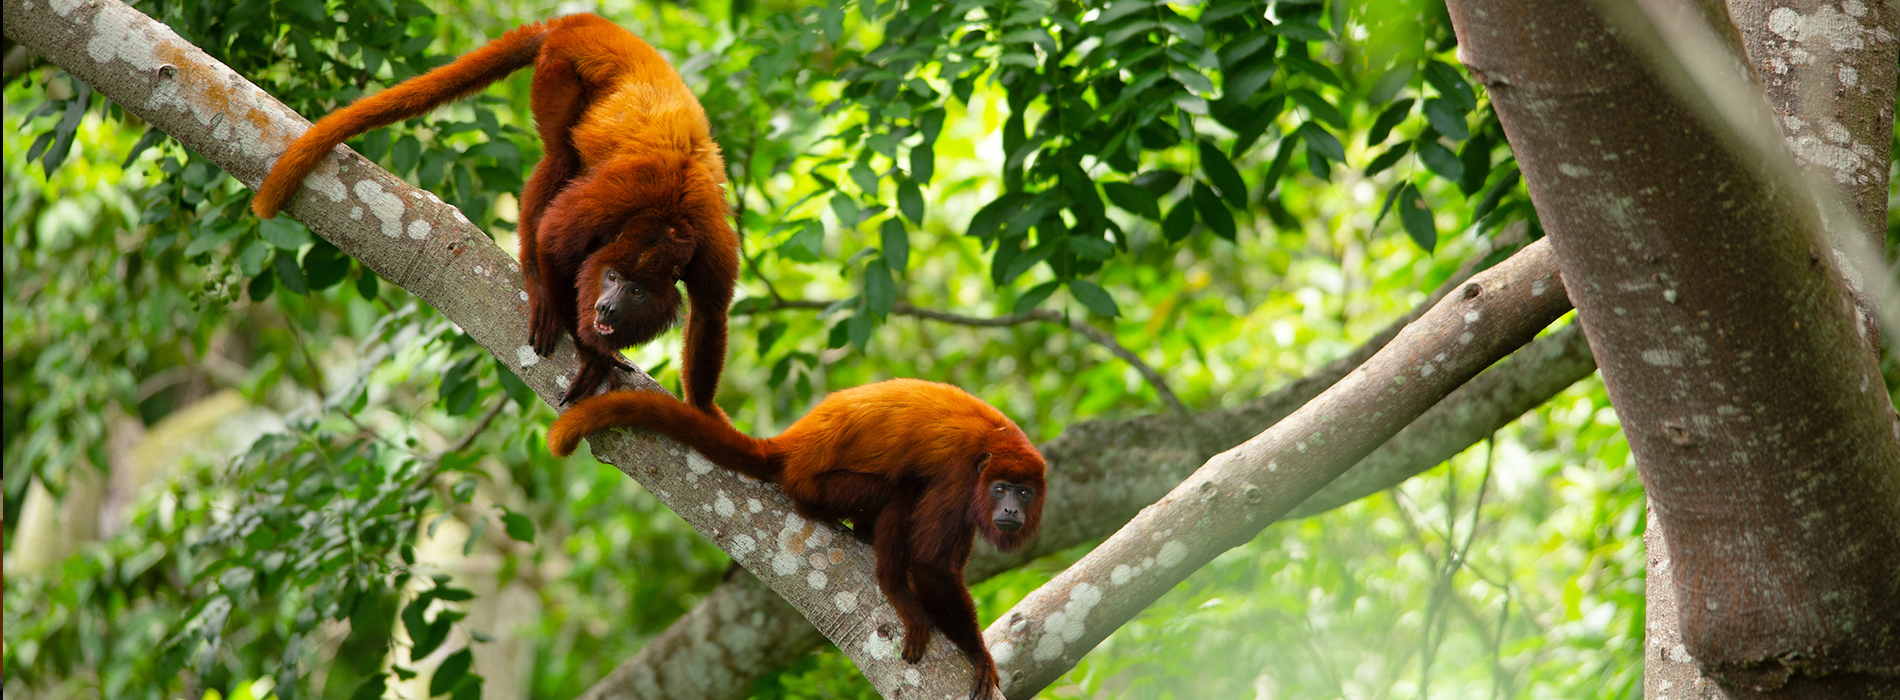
630 181
911 462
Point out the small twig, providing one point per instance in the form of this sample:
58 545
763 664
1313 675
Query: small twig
1095 335
435 460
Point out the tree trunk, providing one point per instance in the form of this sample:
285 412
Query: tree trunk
1728 345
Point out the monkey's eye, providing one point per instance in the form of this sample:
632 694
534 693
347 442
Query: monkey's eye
1001 489
638 292
1026 494
612 276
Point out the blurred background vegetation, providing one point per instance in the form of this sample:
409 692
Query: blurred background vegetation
239 464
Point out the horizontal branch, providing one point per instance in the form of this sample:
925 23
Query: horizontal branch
1095 335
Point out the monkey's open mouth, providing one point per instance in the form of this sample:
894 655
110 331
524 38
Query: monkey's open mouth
603 328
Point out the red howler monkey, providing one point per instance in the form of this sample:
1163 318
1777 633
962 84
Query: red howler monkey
916 465
626 201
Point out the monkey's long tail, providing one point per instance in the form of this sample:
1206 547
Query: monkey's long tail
712 437
413 97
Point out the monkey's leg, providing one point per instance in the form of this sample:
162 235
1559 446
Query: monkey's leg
559 100
948 600
893 572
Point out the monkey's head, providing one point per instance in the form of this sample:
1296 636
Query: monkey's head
1009 489
626 290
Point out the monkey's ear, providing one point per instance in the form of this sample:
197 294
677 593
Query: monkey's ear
982 462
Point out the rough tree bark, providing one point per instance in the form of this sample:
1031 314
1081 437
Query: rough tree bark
740 630
1240 491
1726 337
414 240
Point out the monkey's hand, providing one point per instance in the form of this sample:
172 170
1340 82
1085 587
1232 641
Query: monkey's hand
914 645
544 327
988 685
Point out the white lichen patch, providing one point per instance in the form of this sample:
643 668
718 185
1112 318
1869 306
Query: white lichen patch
912 677
723 506
419 229
1065 626
845 601
524 295
526 357
819 561
816 580
1663 357
879 647
1121 574
1003 652
562 381
785 563
383 204
1171 554
743 545
753 505
1473 316
699 465
1837 30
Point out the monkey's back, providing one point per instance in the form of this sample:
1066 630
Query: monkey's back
642 107
895 428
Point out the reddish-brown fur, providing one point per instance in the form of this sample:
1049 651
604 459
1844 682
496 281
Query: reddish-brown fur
631 180
910 461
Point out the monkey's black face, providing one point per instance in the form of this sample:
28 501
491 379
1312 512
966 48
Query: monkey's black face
619 298
1008 503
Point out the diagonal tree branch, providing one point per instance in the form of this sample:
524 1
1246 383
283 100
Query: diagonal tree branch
1240 491
1109 470
413 239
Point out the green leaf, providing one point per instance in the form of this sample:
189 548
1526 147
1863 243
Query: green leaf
1497 193
518 526
1447 118
1243 82
1382 126
769 335
930 124
910 200
1159 182
847 210
366 283
1094 297
1385 207
324 265
285 265
1180 220
896 244
1449 83
1319 140
1226 178
1035 296
283 232
1476 159
1319 108
1213 212
860 327
450 673
923 162
1441 160
1388 84
1133 199
372 688
1386 159
988 219
865 177
1416 215
880 293
261 286
514 387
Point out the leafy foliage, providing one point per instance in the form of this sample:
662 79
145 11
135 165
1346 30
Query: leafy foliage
973 157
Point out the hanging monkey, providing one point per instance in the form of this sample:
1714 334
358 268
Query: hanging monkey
626 201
